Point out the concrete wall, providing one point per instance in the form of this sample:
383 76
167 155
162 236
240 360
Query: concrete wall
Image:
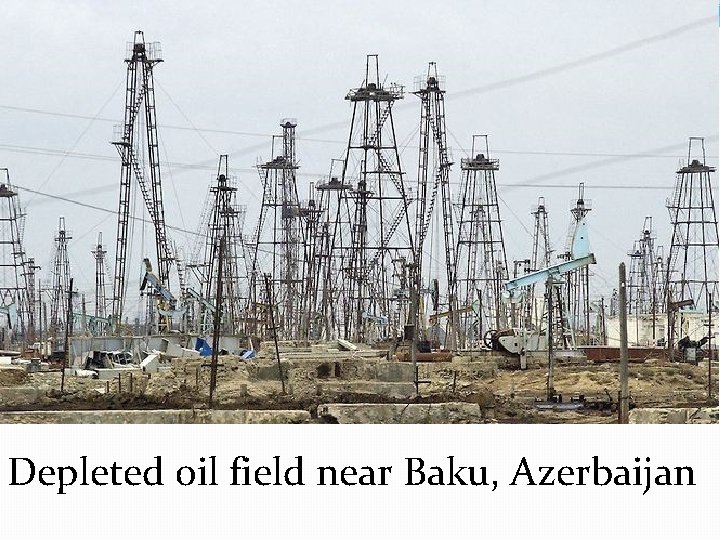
693 325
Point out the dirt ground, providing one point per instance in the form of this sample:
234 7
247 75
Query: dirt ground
510 393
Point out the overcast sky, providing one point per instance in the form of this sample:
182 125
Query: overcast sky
568 92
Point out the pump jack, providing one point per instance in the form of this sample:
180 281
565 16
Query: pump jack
514 289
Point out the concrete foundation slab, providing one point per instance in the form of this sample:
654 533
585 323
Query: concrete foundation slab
687 415
112 373
436 413
388 390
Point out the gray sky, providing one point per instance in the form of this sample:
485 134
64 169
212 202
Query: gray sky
549 81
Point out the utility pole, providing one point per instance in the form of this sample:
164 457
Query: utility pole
216 323
271 305
623 401
710 350
414 319
68 330
551 359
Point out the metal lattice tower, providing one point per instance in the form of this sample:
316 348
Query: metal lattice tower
375 291
435 161
16 307
60 281
481 257
225 224
542 258
641 292
577 283
99 253
316 258
692 267
659 279
646 279
139 101
32 300
330 243
278 245
541 252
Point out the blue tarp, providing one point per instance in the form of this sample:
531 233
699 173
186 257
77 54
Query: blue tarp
202 346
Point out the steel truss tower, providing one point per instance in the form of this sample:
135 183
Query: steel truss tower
376 268
312 218
99 253
481 258
60 281
641 292
224 226
541 252
140 101
577 282
434 160
534 318
279 245
692 264
97 323
17 311
34 324
330 241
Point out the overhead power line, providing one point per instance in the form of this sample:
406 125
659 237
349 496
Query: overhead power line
534 75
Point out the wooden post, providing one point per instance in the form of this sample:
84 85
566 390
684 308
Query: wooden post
216 324
271 306
624 398
710 349
68 330
551 355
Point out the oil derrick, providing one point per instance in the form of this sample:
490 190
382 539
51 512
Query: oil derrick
324 278
140 111
691 281
434 160
577 283
316 254
481 258
99 253
659 278
33 324
644 285
641 295
277 245
224 227
534 312
540 259
375 303
98 321
60 282
16 311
